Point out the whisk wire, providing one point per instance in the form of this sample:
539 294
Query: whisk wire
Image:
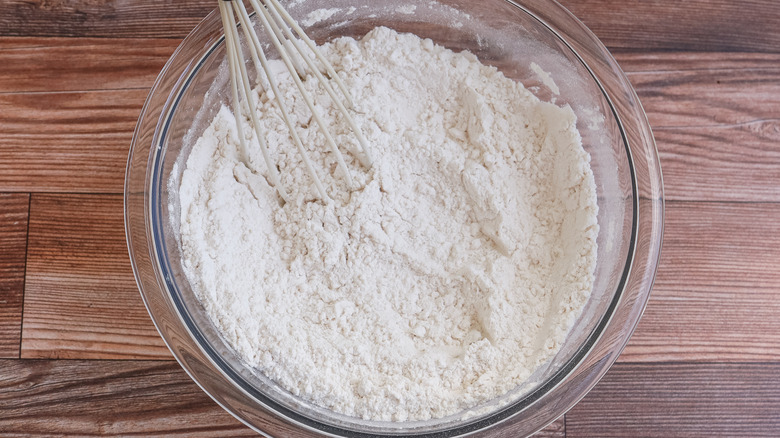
313 46
366 157
273 32
276 22
261 65
235 59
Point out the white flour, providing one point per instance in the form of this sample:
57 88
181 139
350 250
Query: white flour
452 272
318 15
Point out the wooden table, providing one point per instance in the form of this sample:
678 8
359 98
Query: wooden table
80 355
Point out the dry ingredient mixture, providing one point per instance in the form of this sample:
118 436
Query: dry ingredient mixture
445 279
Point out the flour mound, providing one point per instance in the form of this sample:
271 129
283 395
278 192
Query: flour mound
452 271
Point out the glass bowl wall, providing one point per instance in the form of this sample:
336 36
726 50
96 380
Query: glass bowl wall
510 36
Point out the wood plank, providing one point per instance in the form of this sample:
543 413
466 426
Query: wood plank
47 64
34 64
681 400
555 430
67 142
725 301
13 244
677 89
116 398
107 398
692 25
715 119
717 293
721 163
649 61
701 25
708 96
711 143
75 18
81 300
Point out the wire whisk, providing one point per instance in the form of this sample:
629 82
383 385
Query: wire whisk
279 25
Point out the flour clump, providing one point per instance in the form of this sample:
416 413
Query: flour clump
451 271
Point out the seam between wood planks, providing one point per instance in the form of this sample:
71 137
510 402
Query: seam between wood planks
91 90
24 278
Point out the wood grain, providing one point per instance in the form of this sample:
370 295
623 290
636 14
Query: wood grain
723 163
97 18
555 430
704 361
47 64
81 300
681 400
703 25
717 293
716 120
653 61
67 142
692 25
117 398
107 398
13 249
718 95
715 117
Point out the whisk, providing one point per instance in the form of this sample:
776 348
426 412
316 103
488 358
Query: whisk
279 25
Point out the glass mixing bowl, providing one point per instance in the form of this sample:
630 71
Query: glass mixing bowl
509 35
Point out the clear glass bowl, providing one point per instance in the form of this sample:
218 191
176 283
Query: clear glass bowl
508 35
